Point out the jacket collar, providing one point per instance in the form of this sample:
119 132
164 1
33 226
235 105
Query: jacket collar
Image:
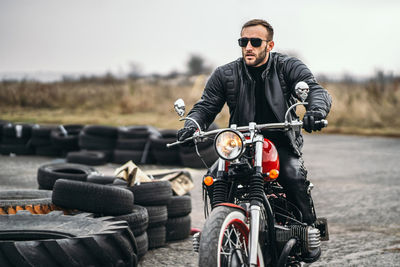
265 73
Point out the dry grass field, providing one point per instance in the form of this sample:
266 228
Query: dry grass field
358 108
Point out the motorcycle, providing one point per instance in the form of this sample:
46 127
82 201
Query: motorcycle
251 222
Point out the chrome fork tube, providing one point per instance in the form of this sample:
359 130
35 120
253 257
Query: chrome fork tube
258 139
255 209
221 165
254 231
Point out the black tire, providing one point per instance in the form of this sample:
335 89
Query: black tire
156 236
98 179
69 142
58 240
131 144
152 193
102 199
110 132
179 206
137 132
91 158
21 149
40 141
142 242
49 173
123 156
166 157
160 143
222 219
10 130
8 140
94 142
138 220
42 131
23 197
178 228
192 160
158 215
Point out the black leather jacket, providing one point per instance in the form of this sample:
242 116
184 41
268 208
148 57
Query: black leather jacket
232 84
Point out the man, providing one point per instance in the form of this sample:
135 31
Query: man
259 87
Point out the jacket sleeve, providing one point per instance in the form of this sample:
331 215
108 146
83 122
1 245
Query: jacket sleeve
210 103
318 98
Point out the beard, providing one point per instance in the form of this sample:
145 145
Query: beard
259 58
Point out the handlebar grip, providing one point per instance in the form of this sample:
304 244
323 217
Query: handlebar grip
323 123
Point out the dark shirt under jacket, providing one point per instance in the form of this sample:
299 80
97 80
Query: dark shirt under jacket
264 113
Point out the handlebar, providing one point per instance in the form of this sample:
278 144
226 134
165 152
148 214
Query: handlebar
279 125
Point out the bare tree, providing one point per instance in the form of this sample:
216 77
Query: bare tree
196 65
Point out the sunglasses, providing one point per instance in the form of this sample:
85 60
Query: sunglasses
255 42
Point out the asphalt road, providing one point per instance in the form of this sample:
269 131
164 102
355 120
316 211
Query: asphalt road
357 187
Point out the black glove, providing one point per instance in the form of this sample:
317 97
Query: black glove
309 120
184 133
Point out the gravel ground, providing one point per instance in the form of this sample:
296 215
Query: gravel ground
357 187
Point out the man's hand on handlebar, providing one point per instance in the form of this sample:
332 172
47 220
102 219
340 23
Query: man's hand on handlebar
185 133
312 121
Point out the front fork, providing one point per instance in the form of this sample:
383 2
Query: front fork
257 196
257 192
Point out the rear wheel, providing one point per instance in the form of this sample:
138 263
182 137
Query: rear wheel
224 239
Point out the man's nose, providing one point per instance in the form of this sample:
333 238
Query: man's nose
249 46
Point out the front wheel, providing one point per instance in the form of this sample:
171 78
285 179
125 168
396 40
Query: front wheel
224 239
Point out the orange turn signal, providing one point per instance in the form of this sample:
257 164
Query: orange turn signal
273 174
208 180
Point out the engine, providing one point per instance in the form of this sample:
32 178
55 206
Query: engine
308 237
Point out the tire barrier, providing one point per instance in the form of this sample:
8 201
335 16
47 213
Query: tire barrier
92 158
98 144
16 139
160 217
179 222
178 228
162 154
41 141
134 144
65 137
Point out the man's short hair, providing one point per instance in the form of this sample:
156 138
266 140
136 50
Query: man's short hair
255 22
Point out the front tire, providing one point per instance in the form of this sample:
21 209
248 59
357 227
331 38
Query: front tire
224 239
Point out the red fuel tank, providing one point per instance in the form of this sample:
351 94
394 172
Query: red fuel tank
270 159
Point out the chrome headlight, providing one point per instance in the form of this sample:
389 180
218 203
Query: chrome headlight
229 144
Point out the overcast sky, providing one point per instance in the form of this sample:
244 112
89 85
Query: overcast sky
96 36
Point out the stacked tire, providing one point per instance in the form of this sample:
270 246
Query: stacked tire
154 196
48 174
189 157
179 223
134 144
165 155
65 137
2 124
97 143
41 141
16 139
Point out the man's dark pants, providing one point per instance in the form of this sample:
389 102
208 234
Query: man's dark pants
293 178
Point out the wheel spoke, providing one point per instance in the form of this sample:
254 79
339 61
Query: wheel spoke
233 240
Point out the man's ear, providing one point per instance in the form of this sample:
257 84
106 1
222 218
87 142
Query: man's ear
270 46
